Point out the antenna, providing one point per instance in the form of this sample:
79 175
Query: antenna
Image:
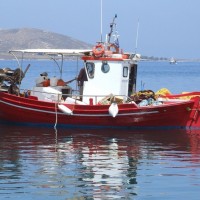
136 42
111 28
101 18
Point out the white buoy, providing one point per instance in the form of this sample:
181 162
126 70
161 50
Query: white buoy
113 109
65 109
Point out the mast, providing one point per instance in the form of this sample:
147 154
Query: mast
136 42
111 28
101 20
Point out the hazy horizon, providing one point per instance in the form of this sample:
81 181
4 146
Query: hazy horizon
166 28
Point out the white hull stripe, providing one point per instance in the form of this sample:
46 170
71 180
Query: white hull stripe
86 115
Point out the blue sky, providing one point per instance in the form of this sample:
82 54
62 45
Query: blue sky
168 28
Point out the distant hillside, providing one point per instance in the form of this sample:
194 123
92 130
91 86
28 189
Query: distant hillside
35 38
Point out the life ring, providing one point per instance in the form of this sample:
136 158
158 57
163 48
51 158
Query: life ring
116 49
98 50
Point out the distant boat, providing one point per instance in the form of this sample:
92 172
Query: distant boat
173 61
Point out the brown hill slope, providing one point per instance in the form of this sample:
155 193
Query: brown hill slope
35 38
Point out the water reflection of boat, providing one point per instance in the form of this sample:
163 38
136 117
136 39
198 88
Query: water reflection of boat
99 164
109 97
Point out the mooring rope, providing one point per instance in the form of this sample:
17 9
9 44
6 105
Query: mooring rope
56 111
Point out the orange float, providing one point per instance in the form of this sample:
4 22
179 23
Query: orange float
60 82
98 50
46 83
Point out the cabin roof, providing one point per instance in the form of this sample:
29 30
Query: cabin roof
54 51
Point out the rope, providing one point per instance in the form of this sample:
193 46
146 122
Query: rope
56 111
55 125
56 140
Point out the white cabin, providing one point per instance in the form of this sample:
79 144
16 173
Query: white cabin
109 77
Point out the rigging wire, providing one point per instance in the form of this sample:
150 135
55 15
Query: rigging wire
77 65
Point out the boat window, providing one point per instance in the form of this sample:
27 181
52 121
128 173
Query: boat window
125 71
105 67
90 69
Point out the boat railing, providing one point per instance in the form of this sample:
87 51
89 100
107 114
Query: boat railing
97 99
75 97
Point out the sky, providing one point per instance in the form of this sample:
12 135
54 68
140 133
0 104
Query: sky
167 28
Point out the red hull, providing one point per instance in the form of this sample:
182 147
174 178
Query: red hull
170 115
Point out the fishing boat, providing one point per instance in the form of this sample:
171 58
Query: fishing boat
107 99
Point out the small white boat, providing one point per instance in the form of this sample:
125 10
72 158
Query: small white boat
173 61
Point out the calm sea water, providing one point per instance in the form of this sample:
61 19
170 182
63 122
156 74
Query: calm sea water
178 78
44 163
40 163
